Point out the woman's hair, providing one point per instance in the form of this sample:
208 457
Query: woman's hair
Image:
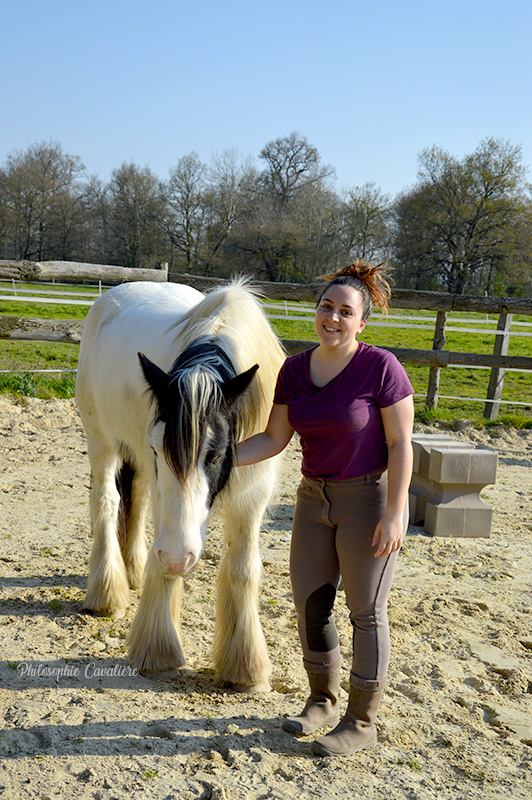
367 280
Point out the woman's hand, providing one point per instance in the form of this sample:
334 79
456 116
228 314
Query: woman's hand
268 443
398 421
389 534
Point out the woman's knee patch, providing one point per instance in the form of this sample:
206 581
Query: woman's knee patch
321 632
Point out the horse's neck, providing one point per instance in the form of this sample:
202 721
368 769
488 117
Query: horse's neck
210 355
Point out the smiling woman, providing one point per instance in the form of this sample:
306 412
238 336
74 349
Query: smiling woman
342 313
351 404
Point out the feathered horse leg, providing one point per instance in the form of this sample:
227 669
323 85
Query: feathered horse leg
154 639
135 494
107 586
240 652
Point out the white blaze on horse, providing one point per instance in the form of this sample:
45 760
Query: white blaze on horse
167 384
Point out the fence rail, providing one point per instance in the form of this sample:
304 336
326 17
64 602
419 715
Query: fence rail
69 331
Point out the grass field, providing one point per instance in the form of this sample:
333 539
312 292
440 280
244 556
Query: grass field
18 359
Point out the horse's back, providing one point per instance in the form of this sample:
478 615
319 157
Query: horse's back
127 319
134 315
134 304
160 320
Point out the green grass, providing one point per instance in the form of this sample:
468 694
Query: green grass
454 381
18 358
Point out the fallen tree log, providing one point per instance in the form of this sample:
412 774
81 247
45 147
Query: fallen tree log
77 271
41 330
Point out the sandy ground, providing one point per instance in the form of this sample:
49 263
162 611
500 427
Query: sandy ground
456 721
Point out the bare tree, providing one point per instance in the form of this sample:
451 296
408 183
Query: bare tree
365 223
229 192
136 206
291 164
185 211
41 194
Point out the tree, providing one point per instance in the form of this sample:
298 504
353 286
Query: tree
185 211
98 241
228 197
41 199
136 206
365 223
291 164
461 219
277 224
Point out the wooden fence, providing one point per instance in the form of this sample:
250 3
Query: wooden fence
435 359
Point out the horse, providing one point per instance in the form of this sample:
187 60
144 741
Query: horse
168 381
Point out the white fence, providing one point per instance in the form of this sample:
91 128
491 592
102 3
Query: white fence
63 294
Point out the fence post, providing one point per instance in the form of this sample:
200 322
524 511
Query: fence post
434 374
495 387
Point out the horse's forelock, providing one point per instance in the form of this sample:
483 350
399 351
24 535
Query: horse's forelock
194 398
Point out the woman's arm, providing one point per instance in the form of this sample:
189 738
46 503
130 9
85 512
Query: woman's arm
398 421
268 443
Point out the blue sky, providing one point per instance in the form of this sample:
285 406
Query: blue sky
370 84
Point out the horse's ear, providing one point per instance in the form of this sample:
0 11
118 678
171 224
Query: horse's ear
157 378
234 387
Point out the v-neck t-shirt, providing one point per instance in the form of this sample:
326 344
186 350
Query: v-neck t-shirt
340 424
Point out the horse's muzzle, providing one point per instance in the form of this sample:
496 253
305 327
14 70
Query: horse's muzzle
176 566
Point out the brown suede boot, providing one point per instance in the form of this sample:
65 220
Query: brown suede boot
356 731
321 707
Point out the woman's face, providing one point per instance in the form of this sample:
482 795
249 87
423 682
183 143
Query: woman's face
338 317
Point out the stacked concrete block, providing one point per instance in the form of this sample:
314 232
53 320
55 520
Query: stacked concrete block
447 479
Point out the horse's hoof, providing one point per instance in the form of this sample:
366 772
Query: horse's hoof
117 614
165 673
250 688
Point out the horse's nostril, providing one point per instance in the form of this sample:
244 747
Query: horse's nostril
175 565
189 562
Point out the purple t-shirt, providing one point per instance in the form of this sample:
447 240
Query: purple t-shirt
340 424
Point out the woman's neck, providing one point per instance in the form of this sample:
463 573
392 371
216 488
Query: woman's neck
326 363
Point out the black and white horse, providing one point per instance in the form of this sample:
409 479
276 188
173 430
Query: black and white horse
166 386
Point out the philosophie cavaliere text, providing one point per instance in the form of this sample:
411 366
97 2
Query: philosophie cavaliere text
60 671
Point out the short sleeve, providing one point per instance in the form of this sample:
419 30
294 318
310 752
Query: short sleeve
279 395
394 384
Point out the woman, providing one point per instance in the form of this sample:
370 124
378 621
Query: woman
351 403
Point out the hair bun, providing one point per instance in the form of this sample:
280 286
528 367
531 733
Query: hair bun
370 276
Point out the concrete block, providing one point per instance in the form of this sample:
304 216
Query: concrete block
447 479
421 486
422 445
462 464
424 449
459 513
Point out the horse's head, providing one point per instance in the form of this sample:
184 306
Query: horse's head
193 445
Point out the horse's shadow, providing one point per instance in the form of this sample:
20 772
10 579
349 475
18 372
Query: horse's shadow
161 737
53 607
79 581
98 674
279 517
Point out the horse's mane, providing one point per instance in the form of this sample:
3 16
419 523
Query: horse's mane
195 380
232 316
